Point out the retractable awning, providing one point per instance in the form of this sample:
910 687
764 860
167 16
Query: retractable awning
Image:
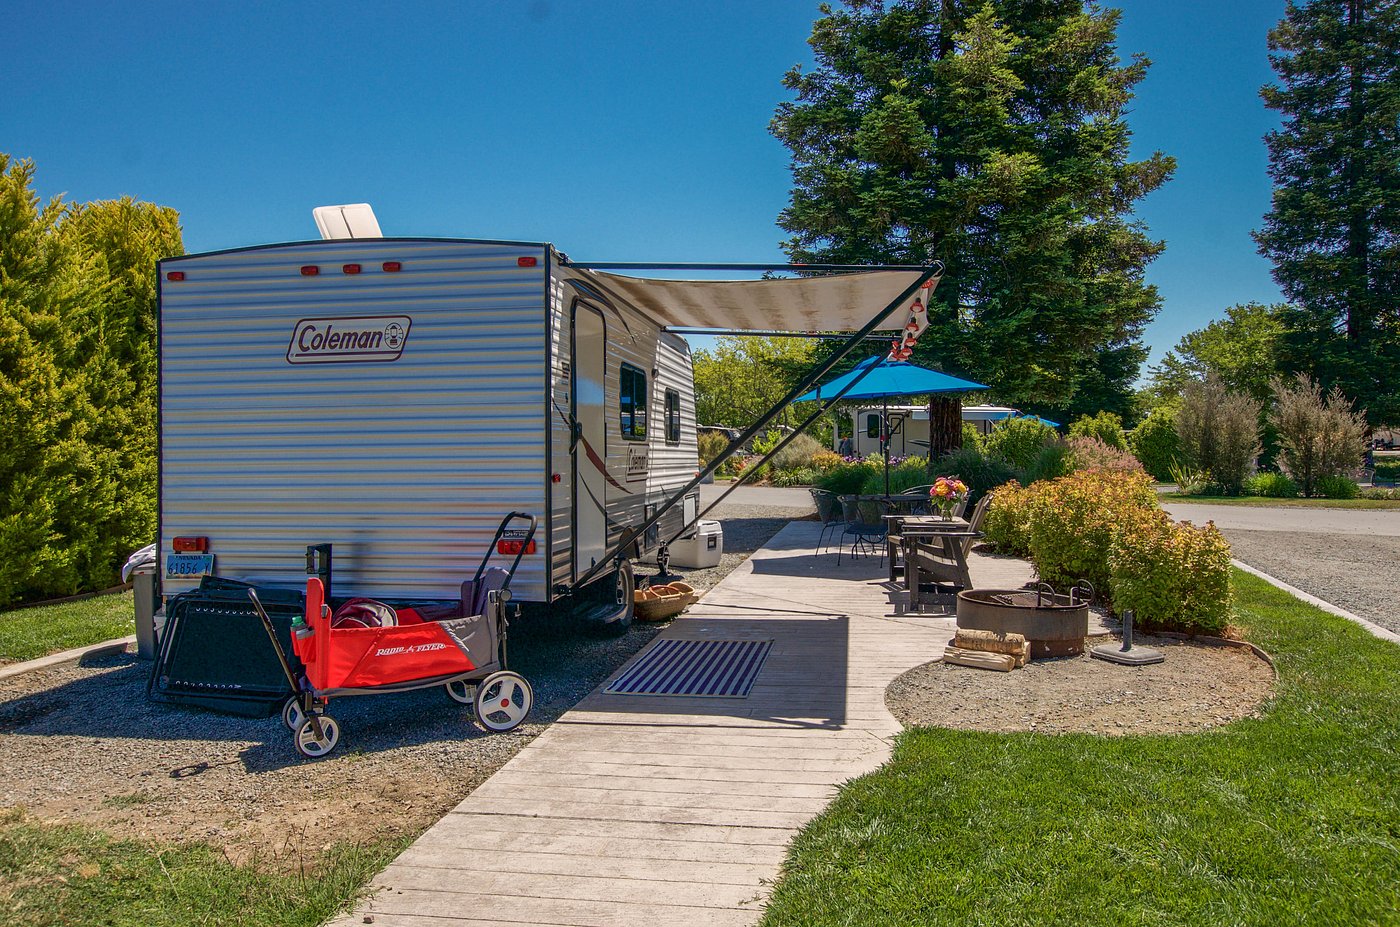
837 302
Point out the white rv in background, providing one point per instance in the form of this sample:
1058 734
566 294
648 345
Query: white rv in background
909 433
396 397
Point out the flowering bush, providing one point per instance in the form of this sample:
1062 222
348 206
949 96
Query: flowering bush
1089 453
1007 522
1172 576
826 461
1072 521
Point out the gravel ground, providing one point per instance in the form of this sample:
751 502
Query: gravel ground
1197 687
1354 572
83 744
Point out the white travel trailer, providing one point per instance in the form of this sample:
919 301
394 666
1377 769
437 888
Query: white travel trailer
909 435
396 397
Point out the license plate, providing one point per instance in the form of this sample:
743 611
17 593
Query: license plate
179 566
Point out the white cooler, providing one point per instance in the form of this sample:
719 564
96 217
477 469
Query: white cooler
701 549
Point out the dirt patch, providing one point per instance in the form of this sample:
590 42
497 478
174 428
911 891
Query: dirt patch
82 744
1198 686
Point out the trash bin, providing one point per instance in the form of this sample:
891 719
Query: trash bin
140 569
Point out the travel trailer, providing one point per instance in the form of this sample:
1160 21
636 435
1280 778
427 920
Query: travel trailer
394 398
909 427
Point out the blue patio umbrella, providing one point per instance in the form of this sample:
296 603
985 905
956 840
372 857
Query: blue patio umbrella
880 378
891 378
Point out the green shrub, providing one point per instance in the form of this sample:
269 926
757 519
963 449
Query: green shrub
1051 462
1271 485
1155 443
912 471
1007 523
978 470
1378 492
1174 577
1105 426
1073 520
797 477
766 442
1337 487
1219 431
1190 481
973 438
847 479
826 461
1089 453
1017 440
1319 435
710 445
798 455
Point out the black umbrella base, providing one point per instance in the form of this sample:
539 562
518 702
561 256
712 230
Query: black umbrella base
1134 656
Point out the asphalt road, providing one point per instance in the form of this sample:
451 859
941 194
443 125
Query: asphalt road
1374 522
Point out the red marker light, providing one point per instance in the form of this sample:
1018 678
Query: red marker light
556 478
511 548
350 268
310 270
175 276
526 262
392 267
190 545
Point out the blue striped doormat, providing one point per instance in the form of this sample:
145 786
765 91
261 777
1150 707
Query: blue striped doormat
724 669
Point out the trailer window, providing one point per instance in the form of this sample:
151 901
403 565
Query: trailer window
872 426
673 417
632 403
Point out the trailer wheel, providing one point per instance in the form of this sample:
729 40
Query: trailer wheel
313 747
503 700
605 607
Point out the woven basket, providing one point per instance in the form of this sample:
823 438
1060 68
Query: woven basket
661 602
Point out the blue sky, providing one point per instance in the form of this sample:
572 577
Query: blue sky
616 130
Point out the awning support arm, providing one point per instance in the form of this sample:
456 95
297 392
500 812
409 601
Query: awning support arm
787 439
630 536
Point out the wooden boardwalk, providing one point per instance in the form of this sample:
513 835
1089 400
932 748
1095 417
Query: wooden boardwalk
676 811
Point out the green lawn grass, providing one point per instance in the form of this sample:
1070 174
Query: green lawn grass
1289 818
52 875
1264 502
26 633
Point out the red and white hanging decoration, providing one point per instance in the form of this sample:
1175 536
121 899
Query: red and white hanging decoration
902 348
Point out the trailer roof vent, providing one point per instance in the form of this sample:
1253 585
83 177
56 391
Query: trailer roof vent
353 220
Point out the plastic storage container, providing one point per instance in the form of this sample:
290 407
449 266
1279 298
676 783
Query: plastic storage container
701 549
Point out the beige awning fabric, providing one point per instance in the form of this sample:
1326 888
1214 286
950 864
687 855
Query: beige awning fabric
836 303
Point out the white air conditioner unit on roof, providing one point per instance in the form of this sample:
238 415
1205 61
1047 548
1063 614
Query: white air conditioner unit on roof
353 220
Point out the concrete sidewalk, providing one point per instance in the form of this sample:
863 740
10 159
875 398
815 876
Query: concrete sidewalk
652 810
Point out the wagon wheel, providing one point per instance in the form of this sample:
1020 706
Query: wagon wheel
460 691
292 715
313 747
503 700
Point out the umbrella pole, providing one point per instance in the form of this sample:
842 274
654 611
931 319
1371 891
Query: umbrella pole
885 429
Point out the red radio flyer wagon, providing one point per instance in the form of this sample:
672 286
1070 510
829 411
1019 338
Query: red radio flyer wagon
366 647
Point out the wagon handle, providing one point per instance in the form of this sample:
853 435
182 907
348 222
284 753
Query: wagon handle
500 532
272 636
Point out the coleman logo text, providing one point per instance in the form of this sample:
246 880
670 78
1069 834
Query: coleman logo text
368 339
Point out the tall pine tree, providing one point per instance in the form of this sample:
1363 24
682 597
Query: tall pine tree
990 136
1334 231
